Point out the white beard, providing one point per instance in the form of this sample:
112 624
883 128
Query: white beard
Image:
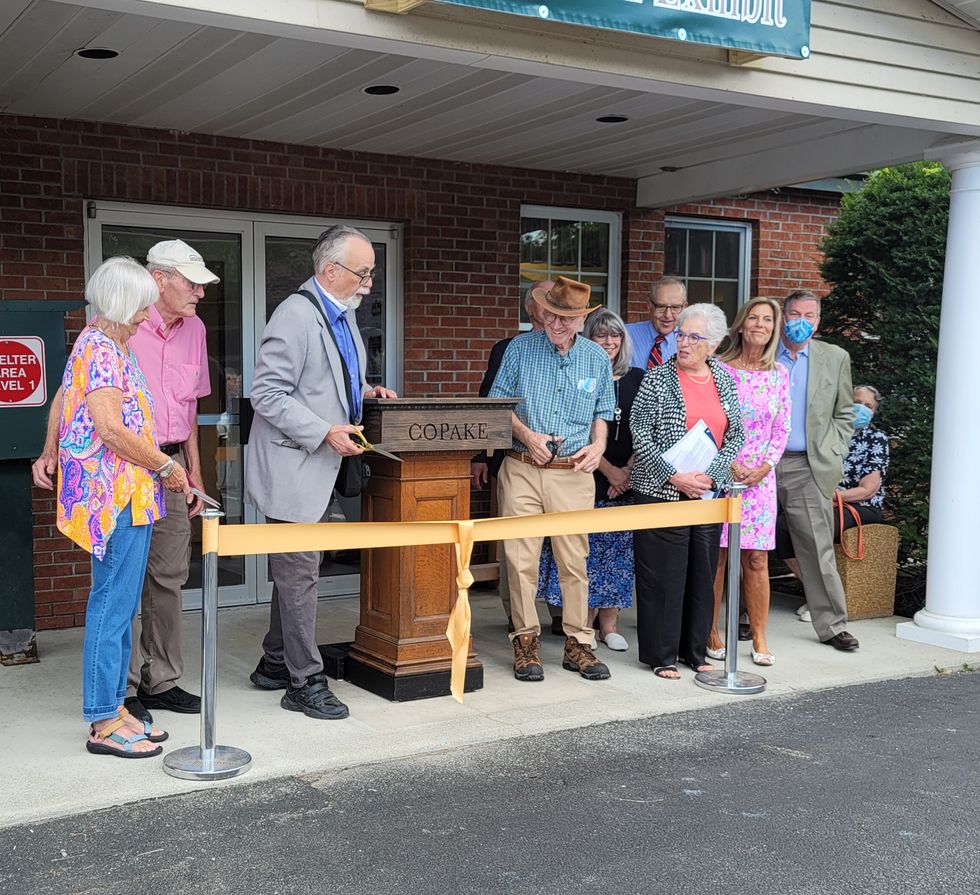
352 303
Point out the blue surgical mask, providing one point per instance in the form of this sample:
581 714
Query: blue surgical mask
798 330
862 416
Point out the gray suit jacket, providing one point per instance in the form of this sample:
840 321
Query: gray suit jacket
298 394
829 414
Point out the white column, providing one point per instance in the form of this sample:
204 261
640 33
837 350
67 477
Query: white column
951 617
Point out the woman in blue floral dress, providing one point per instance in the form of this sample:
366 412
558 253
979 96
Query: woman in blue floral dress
610 562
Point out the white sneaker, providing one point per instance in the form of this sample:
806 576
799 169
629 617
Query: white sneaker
805 614
616 642
803 608
595 645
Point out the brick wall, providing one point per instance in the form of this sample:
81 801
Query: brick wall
460 252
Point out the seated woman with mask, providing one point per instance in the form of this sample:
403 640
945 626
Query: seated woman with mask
863 485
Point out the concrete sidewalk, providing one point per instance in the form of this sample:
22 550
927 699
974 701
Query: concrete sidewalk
48 773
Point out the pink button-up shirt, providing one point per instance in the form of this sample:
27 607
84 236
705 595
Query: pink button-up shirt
175 366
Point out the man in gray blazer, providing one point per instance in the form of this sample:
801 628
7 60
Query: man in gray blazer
812 465
304 418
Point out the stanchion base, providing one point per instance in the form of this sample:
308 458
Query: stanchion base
738 682
188 763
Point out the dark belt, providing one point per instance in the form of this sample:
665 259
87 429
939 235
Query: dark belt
171 449
794 453
557 463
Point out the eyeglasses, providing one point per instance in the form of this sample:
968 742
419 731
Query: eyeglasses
362 277
690 337
551 319
188 284
664 310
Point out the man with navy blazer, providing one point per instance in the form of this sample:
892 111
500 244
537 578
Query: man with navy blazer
821 427
301 432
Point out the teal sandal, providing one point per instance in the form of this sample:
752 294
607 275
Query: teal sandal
109 732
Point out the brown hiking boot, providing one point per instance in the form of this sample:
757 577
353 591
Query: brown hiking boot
579 657
527 661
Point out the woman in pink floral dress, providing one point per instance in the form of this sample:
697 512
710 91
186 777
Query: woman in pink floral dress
763 391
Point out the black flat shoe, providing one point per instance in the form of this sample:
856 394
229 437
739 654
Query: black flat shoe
556 627
137 709
173 700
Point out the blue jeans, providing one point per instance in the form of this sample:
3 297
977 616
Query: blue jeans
117 581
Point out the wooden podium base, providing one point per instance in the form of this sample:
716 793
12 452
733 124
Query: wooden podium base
400 650
338 664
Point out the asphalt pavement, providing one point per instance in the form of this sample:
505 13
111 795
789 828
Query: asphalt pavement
866 789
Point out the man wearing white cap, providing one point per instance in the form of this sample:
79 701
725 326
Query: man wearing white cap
171 350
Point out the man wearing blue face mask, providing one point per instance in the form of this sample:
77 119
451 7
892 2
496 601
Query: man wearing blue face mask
812 465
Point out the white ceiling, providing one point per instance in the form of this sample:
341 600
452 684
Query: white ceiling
191 77
967 10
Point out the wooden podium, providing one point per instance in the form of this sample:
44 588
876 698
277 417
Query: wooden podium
400 650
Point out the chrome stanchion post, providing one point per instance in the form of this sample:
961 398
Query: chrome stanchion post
731 680
208 761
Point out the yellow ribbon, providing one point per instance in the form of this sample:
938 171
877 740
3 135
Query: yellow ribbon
248 540
458 630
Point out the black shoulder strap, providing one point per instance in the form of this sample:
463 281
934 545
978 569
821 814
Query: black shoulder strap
343 364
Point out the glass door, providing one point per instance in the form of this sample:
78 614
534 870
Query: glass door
223 314
283 261
261 260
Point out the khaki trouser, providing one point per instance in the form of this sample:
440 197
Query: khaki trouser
525 490
156 663
810 519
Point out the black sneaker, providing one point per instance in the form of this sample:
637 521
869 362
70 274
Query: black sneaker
137 709
265 677
314 700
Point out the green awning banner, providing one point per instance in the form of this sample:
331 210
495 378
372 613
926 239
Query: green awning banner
769 27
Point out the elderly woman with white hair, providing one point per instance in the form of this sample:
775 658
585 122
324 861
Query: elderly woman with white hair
675 567
111 476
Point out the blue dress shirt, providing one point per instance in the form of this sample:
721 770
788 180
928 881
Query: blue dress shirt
799 370
337 315
642 336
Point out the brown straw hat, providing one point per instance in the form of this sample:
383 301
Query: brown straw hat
567 298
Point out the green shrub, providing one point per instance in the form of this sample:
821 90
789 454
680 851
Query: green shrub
884 258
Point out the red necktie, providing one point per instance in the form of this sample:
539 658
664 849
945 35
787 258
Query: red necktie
656 358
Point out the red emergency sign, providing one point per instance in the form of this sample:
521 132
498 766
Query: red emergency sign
22 379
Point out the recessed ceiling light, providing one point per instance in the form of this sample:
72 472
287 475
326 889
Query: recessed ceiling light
612 119
381 89
97 53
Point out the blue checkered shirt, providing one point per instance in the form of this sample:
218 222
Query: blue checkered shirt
562 394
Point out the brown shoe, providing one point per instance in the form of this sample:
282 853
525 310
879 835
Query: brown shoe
579 657
527 661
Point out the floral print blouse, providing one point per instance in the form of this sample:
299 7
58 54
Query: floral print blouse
95 484
868 452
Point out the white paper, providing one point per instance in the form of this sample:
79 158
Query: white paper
694 452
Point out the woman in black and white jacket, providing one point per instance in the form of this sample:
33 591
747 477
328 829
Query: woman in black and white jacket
675 567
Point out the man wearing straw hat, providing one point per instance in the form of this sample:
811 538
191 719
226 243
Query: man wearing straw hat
559 429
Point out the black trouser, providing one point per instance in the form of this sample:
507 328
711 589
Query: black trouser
675 602
784 543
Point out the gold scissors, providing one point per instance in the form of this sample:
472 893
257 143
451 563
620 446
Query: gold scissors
364 443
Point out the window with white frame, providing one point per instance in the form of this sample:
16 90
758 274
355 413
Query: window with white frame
571 242
712 258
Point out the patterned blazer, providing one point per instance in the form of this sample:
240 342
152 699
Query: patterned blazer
659 421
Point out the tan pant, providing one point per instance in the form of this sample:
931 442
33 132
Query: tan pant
504 590
810 519
156 663
526 490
